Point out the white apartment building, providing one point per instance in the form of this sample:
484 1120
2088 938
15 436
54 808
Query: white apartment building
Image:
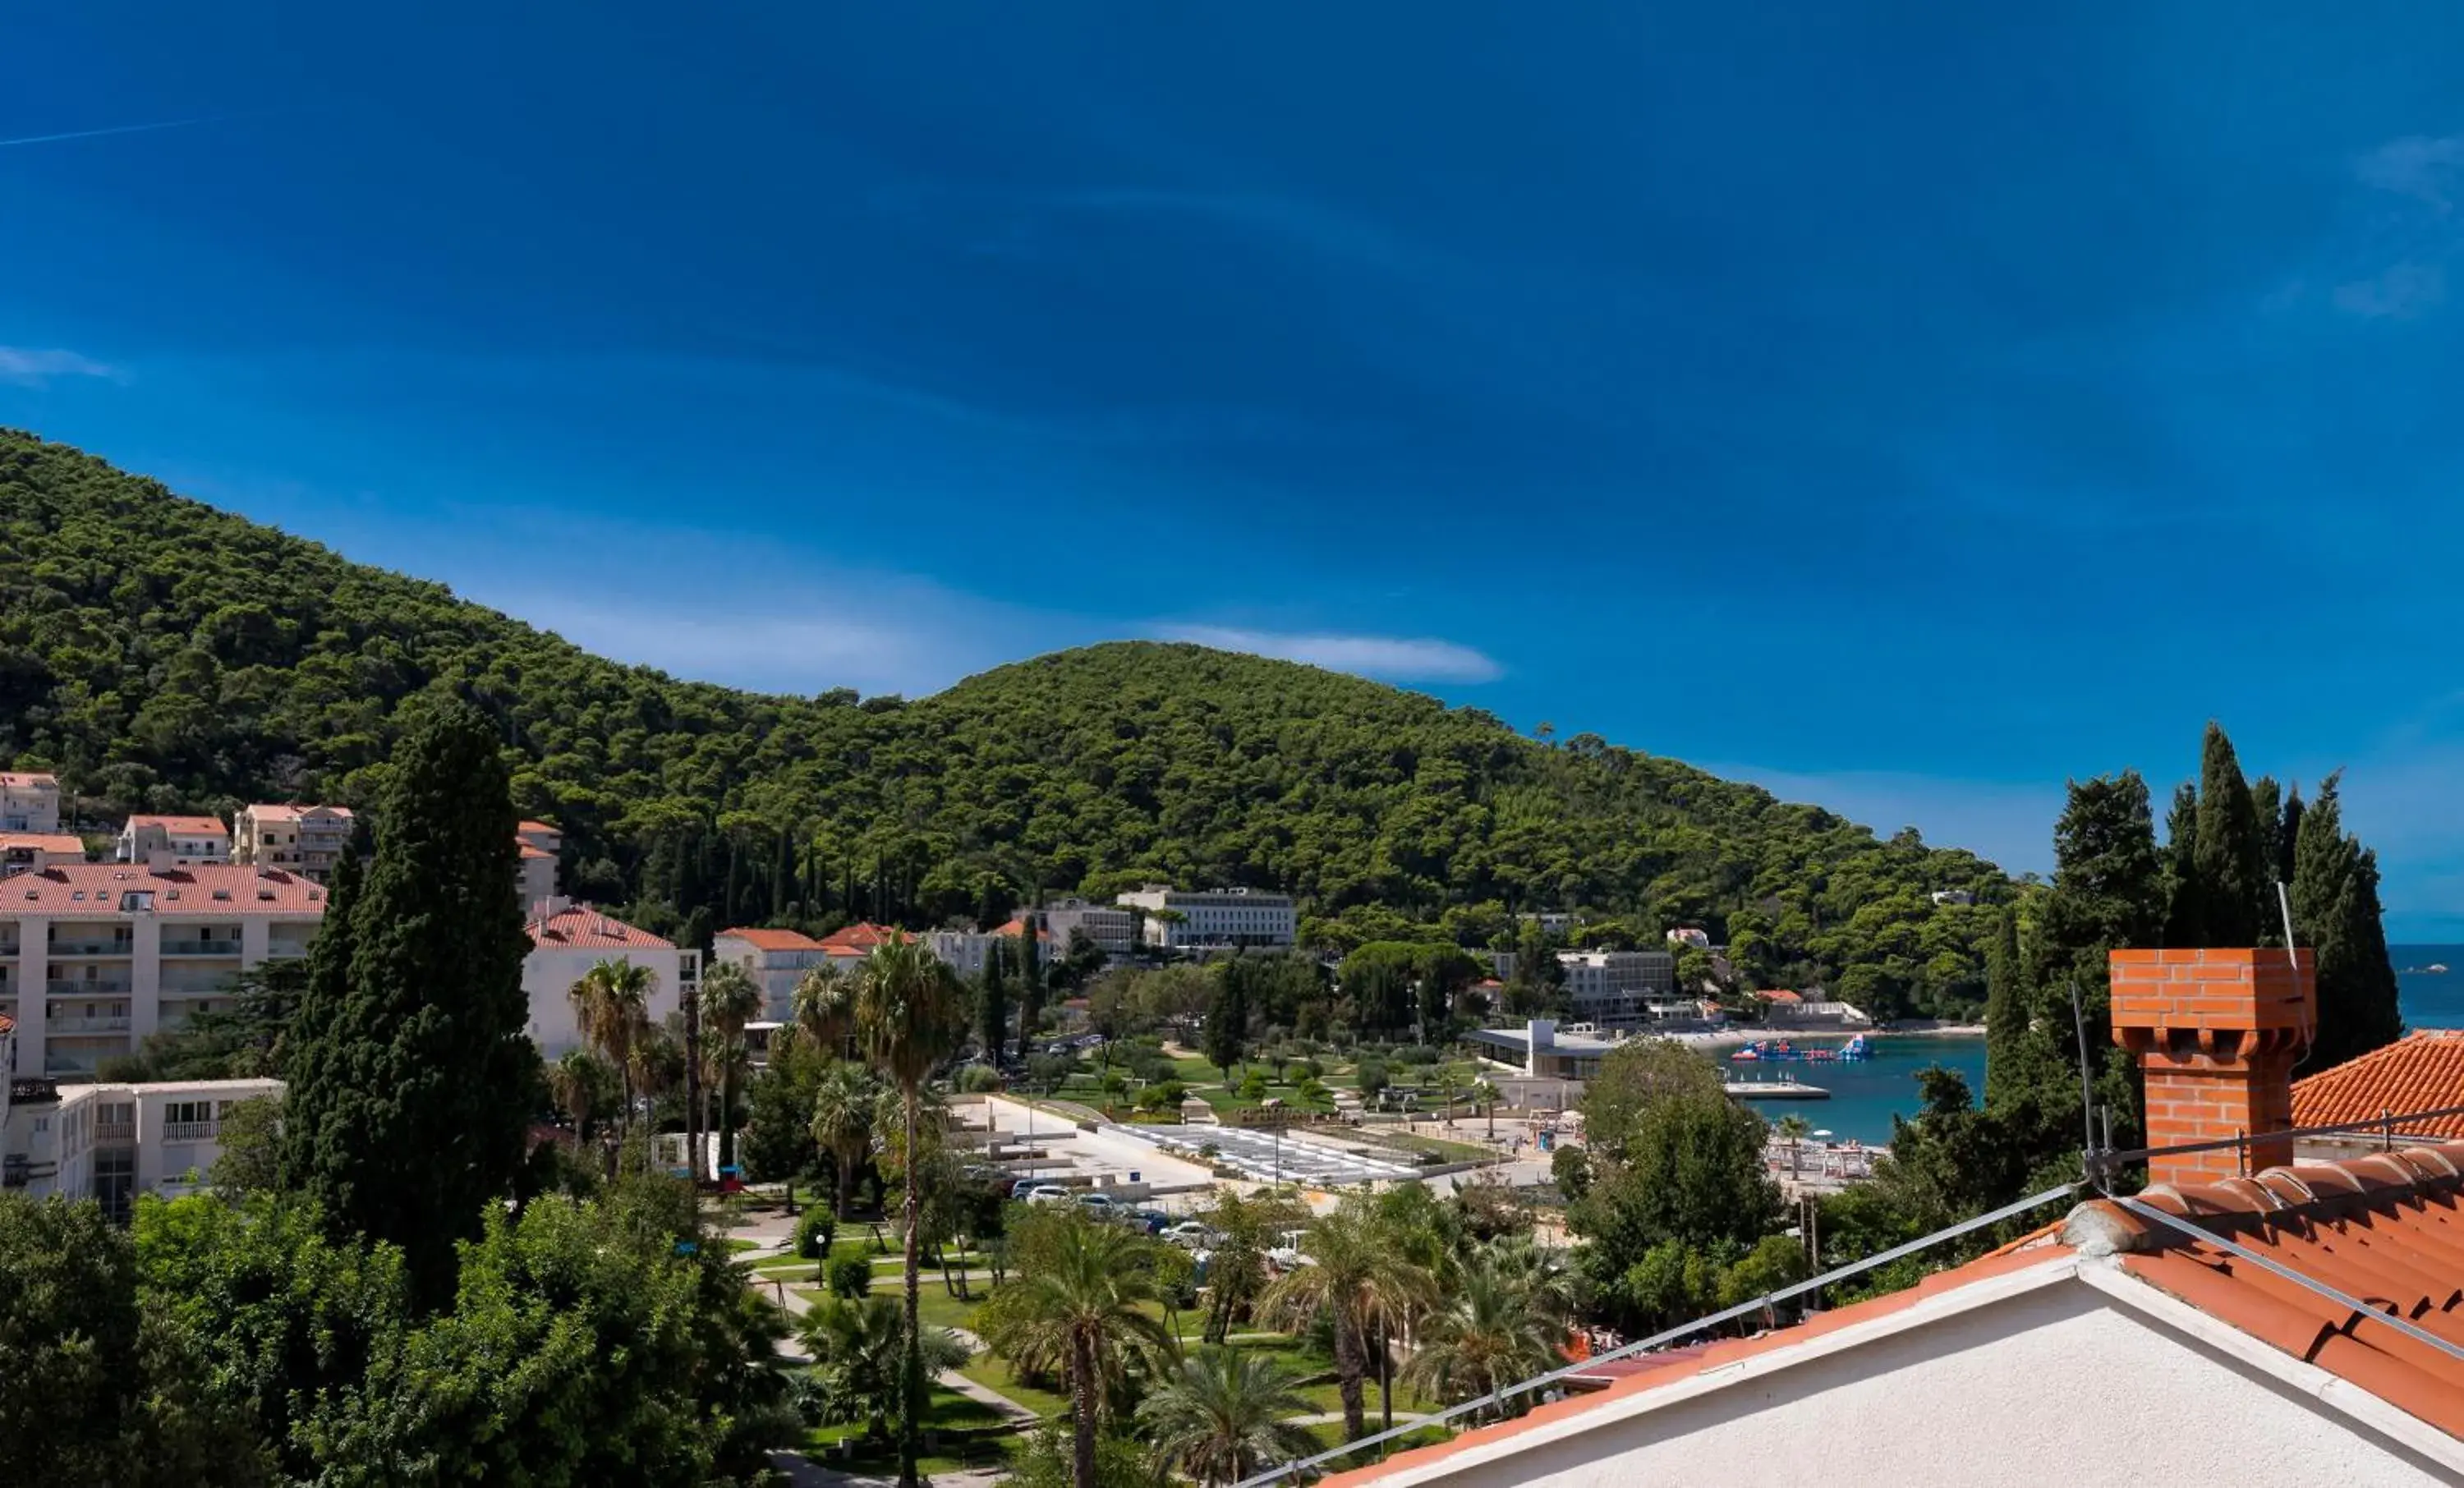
1112 928
180 842
1620 986
566 941
776 959
308 839
540 845
95 955
29 802
964 952
110 1142
1215 916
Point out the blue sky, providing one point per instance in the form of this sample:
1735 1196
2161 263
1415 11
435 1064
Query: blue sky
1906 411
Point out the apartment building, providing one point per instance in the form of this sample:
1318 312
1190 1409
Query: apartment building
20 851
541 845
306 840
110 1142
181 842
95 955
567 940
965 952
1112 928
1214 916
1621 986
29 802
776 959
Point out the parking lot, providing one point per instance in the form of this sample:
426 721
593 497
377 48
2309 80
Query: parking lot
1262 1156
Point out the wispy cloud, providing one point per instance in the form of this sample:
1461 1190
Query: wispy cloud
2411 229
112 129
2008 824
27 366
1389 657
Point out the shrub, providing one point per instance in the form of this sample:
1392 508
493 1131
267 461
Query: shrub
850 1276
1254 1087
815 1231
1415 1054
978 1079
1372 1078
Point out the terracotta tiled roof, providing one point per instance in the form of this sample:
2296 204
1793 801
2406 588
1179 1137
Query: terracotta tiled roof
2420 1072
856 940
585 929
207 890
20 780
2388 1228
68 844
536 829
1018 927
1777 995
264 813
772 939
184 826
529 851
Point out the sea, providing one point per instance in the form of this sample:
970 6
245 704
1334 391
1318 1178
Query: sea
1865 1097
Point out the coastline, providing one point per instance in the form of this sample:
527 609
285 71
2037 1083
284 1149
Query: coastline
1714 1040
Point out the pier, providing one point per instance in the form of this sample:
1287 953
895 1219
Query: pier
1782 1089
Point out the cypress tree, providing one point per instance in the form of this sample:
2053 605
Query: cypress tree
1227 1017
2181 923
2230 857
2006 1012
992 1004
2288 836
312 1073
2336 912
1031 985
782 875
410 1115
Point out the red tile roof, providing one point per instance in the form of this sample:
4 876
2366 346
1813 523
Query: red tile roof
773 939
529 851
582 928
293 813
18 780
71 890
1778 995
184 826
1018 927
857 939
67 844
535 828
2422 1071
2388 1228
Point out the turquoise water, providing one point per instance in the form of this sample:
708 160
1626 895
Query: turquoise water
1865 1097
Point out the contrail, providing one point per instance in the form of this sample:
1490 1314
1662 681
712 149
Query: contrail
89 134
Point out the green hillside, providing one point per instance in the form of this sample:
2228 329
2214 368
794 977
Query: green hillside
162 655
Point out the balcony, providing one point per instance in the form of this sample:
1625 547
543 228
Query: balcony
90 947
86 1025
191 1131
69 1070
201 948
106 988
117 1132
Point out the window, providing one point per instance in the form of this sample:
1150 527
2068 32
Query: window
179 1112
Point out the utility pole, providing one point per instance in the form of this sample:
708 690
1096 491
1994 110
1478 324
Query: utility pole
693 1084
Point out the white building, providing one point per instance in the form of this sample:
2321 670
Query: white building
964 952
181 842
1690 936
308 839
1621 986
29 802
540 844
566 941
95 955
1215 916
1112 928
110 1142
776 959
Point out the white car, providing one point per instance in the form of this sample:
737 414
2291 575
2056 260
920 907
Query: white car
1192 1234
1047 1193
1099 1205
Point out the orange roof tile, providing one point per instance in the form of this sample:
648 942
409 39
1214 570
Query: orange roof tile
773 939
293 813
856 940
535 828
209 889
1778 995
184 826
66 844
2422 1071
582 928
529 851
20 780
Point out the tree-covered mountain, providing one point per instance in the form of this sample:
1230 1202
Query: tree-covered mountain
162 655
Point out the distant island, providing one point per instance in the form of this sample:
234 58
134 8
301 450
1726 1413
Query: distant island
2433 968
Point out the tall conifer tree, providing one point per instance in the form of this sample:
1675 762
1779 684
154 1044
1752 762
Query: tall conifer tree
2230 855
992 1004
1031 985
2181 916
2335 912
408 1115
2006 1012
2107 894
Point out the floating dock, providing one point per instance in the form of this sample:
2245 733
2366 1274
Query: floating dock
1777 1091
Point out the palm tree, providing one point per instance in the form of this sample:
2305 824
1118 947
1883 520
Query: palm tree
842 1118
1227 1414
1359 1284
859 1349
821 1010
1487 1095
1081 1312
730 999
578 1082
907 1012
1539 1272
1487 1336
611 1002
1795 1129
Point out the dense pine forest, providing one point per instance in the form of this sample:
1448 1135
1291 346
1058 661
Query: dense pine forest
162 655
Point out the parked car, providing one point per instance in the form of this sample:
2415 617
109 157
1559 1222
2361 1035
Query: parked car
1099 1205
1191 1234
1047 1193
1154 1221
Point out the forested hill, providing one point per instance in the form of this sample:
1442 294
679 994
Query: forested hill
162 655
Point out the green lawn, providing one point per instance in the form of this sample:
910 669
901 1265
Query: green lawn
971 1436
993 1371
1437 1147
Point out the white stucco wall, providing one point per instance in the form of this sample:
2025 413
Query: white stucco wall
2057 1385
548 976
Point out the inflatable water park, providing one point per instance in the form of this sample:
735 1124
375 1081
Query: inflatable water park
1781 1051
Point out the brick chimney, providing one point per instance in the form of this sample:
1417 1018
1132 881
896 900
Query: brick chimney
2216 1033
